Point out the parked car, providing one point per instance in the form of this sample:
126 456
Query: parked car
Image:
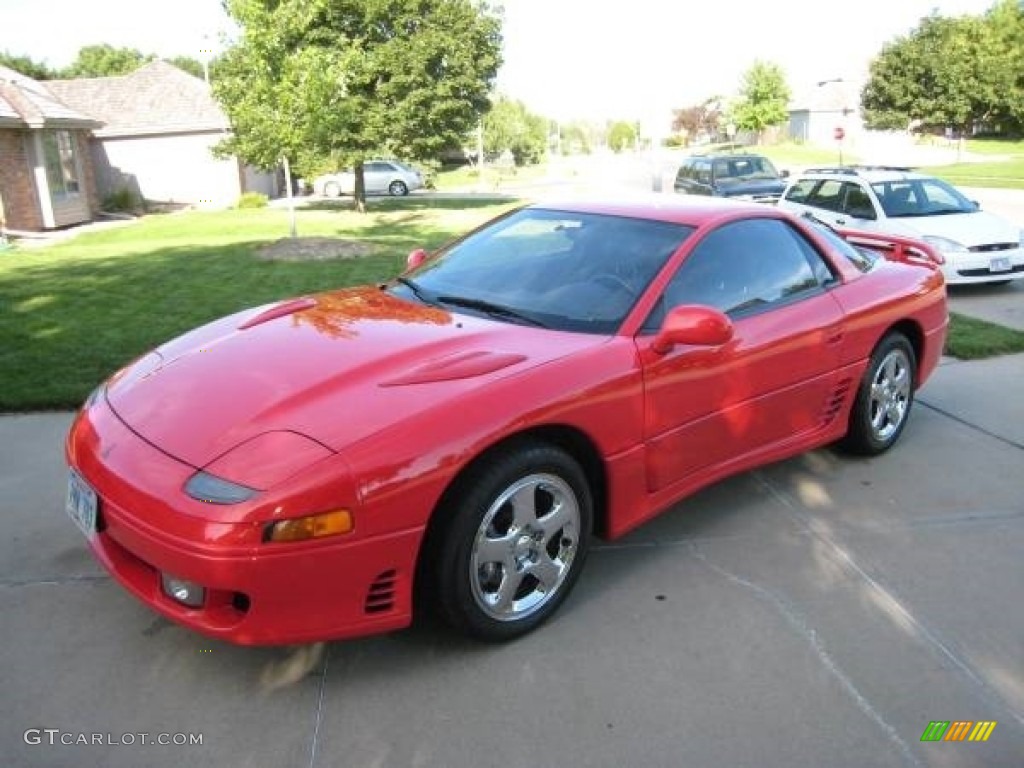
380 176
316 467
743 177
977 246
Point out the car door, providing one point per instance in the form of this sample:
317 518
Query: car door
858 208
685 178
709 407
377 176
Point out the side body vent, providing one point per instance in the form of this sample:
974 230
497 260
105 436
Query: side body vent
381 595
834 402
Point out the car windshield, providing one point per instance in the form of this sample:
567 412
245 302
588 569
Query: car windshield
745 168
920 197
557 269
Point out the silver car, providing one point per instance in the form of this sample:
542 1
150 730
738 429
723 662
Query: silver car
381 176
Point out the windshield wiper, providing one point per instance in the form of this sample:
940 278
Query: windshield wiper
490 308
413 286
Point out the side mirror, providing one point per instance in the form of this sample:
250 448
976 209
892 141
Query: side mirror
976 204
415 258
784 174
695 325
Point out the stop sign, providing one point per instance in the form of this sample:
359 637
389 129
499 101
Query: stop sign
839 133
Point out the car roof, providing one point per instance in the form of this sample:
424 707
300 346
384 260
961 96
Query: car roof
725 156
692 210
870 174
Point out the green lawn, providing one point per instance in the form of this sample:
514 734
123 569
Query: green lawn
1007 172
971 339
71 314
468 177
996 146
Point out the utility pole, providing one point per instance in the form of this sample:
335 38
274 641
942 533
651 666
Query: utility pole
480 154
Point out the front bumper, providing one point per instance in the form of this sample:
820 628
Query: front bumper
256 593
977 266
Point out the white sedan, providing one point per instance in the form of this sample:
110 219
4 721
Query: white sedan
978 247
381 177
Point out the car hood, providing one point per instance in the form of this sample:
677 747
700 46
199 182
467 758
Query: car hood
969 229
335 367
733 187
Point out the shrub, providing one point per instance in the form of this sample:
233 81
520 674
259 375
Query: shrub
123 200
252 200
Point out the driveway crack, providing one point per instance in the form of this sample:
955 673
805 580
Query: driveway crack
319 709
970 425
887 596
798 623
54 580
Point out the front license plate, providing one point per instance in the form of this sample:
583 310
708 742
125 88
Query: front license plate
999 265
81 503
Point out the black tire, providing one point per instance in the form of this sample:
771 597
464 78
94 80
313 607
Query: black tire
497 573
332 189
884 398
398 189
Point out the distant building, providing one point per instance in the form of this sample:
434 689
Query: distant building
67 144
816 111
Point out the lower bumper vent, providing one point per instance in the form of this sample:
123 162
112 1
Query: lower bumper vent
381 595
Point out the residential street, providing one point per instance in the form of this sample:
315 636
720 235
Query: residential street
819 612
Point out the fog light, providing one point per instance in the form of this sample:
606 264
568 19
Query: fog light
312 527
185 592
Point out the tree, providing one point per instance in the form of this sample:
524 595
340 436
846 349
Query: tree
313 81
510 126
105 61
764 99
1006 22
940 74
37 70
193 66
698 119
951 72
621 135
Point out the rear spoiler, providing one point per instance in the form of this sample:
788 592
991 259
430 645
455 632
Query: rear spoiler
895 247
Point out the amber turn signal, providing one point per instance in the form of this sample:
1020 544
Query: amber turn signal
312 527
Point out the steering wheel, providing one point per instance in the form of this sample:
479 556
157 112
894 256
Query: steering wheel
615 282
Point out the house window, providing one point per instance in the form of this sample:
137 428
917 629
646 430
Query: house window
61 164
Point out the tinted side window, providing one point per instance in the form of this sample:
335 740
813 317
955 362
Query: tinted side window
745 266
858 204
827 195
800 190
703 170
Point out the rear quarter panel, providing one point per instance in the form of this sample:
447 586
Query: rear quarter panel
889 295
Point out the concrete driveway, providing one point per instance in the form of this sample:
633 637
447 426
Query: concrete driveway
820 612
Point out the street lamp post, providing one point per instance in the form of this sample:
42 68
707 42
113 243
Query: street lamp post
839 132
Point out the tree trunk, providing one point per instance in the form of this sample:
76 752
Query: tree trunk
359 194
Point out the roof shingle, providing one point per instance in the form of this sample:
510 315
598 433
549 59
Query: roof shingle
25 101
156 98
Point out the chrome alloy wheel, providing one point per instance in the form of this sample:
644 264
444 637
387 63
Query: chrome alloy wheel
890 394
524 547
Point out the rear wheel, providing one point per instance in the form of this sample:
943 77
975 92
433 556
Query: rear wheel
398 189
515 542
332 189
884 398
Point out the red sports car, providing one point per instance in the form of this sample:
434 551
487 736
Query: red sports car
315 468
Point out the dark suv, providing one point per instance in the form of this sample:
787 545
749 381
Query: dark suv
746 177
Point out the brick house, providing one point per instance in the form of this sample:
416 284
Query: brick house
46 175
150 132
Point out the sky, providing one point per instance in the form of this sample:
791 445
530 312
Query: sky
564 58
